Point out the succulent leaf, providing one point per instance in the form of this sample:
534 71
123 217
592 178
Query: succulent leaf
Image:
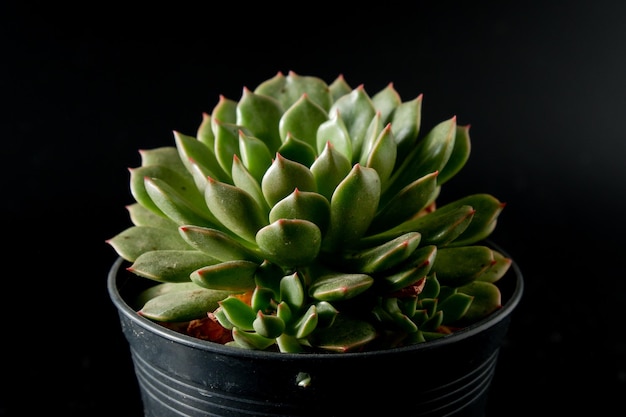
191 150
289 89
283 177
371 135
345 335
497 270
204 133
217 244
352 207
381 257
262 299
290 242
385 101
487 209
292 291
157 265
454 307
302 120
289 344
456 266
405 122
339 87
334 131
397 316
356 110
227 143
261 115
141 216
184 185
339 286
410 200
431 287
417 268
181 305
225 111
306 324
383 154
305 205
235 209
269 326
240 314
244 180
135 240
459 156
167 156
177 207
235 276
251 340
255 155
430 154
438 227
297 150
329 169
326 314
486 299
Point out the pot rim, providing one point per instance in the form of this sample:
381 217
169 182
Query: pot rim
504 312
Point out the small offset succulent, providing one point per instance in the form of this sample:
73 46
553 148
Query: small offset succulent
304 218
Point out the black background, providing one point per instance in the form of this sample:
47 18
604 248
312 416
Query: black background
542 85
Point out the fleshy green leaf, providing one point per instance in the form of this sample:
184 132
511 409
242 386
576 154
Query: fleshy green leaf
283 177
297 150
486 299
290 242
235 209
405 125
235 276
250 340
459 156
238 313
192 150
383 154
385 101
429 155
352 208
302 120
183 305
303 205
261 115
329 169
292 291
381 257
406 204
339 286
217 244
268 325
458 266
170 265
135 240
176 207
497 270
454 307
345 335
356 110
334 131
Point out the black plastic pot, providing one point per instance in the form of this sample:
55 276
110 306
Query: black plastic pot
182 376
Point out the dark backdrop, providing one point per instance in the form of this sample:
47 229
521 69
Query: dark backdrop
543 87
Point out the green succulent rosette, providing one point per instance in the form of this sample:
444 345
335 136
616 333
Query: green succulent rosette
304 217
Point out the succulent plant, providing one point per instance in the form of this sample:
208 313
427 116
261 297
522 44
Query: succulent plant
304 218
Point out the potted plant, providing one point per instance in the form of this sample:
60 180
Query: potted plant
294 251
